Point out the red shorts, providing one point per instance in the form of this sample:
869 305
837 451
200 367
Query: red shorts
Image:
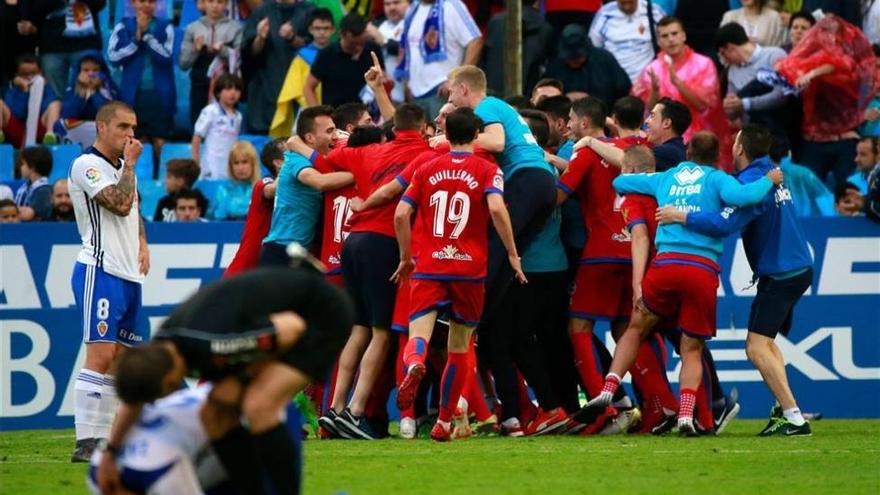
463 298
602 291
335 279
687 285
400 319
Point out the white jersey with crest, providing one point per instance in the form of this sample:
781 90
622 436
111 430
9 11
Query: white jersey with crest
109 241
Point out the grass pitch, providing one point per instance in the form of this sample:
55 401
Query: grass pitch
841 457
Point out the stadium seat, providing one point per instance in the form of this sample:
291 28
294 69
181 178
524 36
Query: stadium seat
256 140
7 162
151 192
209 189
171 151
63 156
143 169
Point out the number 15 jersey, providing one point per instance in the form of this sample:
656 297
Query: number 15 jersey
452 215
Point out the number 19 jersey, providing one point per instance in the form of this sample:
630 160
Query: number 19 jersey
452 215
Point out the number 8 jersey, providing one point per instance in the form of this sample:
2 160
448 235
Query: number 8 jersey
450 230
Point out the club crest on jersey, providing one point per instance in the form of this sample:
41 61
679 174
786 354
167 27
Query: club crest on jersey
688 175
93 175
102 328
450 252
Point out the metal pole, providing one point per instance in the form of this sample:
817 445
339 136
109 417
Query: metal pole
513 49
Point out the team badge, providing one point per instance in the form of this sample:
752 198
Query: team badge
498 182
93 175
102 328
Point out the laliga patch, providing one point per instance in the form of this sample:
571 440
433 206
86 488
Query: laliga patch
498 182
93 175
102 328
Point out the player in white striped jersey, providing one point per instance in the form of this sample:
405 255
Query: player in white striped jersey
109 270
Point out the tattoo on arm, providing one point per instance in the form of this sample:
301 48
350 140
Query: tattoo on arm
142 232
119 198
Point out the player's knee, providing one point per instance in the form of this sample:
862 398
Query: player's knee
756 348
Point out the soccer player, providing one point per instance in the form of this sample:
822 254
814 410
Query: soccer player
278 328
683 279
782 266
449 246
298 193
109 269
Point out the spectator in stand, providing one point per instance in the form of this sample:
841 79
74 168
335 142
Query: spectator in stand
389 33
587 70
748 100
90 88
273 35
234 194
16 127
867 158
561 13
180 173
624 29
340 67
211 47
66 30
219 125
537 47
8 211
701 19
438 36
187 206
800 23
810 195
142 47
686 76
761 23
18 36
259 215
34 197
871 121
546 88
848 201
62 207
292 97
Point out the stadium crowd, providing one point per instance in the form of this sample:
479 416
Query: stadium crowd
328 124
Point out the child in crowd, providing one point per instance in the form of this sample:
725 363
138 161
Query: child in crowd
180 173
210 48
218 125
34 197
8 211
90 88
291 97
30 108
234 194
142 47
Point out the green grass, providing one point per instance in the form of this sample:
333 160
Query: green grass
841 457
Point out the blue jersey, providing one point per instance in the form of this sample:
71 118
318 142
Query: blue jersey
772 239
521 150
691 187
297 206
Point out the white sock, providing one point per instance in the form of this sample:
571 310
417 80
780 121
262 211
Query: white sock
511 423
87 395
794 416
107 409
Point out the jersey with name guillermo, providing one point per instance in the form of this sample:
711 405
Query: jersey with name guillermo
452 215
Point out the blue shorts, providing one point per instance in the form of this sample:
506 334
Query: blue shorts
109 306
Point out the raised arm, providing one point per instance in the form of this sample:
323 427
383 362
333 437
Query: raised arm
118 198
375 78
610 153
492 138
638 183
324 182
736 194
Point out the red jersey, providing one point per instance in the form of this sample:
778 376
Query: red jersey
373 166
639 209
589 177
256 227
450 231
337 219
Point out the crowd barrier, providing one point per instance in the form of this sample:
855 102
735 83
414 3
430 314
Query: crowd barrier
833 350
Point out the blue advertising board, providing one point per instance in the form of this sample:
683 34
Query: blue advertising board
833 350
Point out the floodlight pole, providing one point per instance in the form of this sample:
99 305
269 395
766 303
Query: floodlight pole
513 49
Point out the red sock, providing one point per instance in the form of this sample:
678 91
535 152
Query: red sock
473 394
612 383
415 352
585 361
688 400
400 373
649 375
454 378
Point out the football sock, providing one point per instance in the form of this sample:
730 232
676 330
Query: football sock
603 398
87 394
585 361
649 375
454 378
279 459
240 459
415 351
794 416
688 400
107 409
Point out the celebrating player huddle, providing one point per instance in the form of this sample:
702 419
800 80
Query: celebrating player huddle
428 237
